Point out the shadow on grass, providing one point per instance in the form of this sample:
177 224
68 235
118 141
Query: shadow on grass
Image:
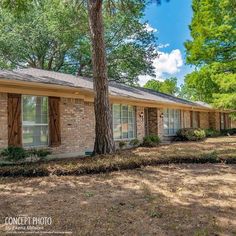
167 200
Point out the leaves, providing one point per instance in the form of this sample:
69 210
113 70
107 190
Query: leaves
168 86
54 35
213 51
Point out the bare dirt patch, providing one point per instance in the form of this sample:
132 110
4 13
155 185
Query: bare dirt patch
165 200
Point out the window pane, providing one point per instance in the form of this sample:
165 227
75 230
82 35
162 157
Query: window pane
116 111
123 121
171 121
35 120
117 131
35 136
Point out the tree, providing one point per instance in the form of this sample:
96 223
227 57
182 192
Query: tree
168 86
54 35
213 50
199 85
41 36
104 142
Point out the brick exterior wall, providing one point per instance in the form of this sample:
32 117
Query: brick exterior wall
140 123
233 123
152 121
3 121
204 120
160 120
77 126
77 122
186 119
214 120
155 122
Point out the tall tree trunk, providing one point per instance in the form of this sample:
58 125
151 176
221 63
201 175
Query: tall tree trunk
104 142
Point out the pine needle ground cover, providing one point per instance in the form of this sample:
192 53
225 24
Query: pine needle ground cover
212 150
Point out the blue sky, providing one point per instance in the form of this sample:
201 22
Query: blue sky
170 23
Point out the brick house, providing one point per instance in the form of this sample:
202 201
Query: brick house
41 108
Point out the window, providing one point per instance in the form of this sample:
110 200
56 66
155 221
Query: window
123 122
35 121
171 121
195 119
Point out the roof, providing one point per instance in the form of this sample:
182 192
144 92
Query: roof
115 89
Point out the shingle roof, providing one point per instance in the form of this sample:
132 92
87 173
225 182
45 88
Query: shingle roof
115 89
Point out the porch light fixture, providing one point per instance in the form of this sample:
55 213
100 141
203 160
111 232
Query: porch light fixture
141 115
162 115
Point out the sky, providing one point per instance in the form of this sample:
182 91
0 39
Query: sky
169 22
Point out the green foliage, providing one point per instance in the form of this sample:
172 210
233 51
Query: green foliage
168 86
151 141
122 144
191 134
134 142
41 153
212 133
19 153
199 86
42 36
212 50
15 153
228 131
213 32
54 35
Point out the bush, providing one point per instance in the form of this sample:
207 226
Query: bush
122 144
19 153
191 134
151 141
41 153
134 142
212 133
228 131
15 153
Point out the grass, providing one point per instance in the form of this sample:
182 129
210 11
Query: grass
184 199
212 150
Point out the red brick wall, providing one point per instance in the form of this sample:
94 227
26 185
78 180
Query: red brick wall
186 119
140 123
214 120
233 123
77 126
204 120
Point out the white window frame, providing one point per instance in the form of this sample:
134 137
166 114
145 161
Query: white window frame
175 113
134 125
35 125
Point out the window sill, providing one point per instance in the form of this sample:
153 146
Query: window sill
125 139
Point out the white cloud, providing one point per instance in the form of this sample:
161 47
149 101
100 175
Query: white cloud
149 28
165 63
163 45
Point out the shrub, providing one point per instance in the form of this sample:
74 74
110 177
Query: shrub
191 134
212 133
15 153
122 144
228 131
19 153
41 153
151 141
134 142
